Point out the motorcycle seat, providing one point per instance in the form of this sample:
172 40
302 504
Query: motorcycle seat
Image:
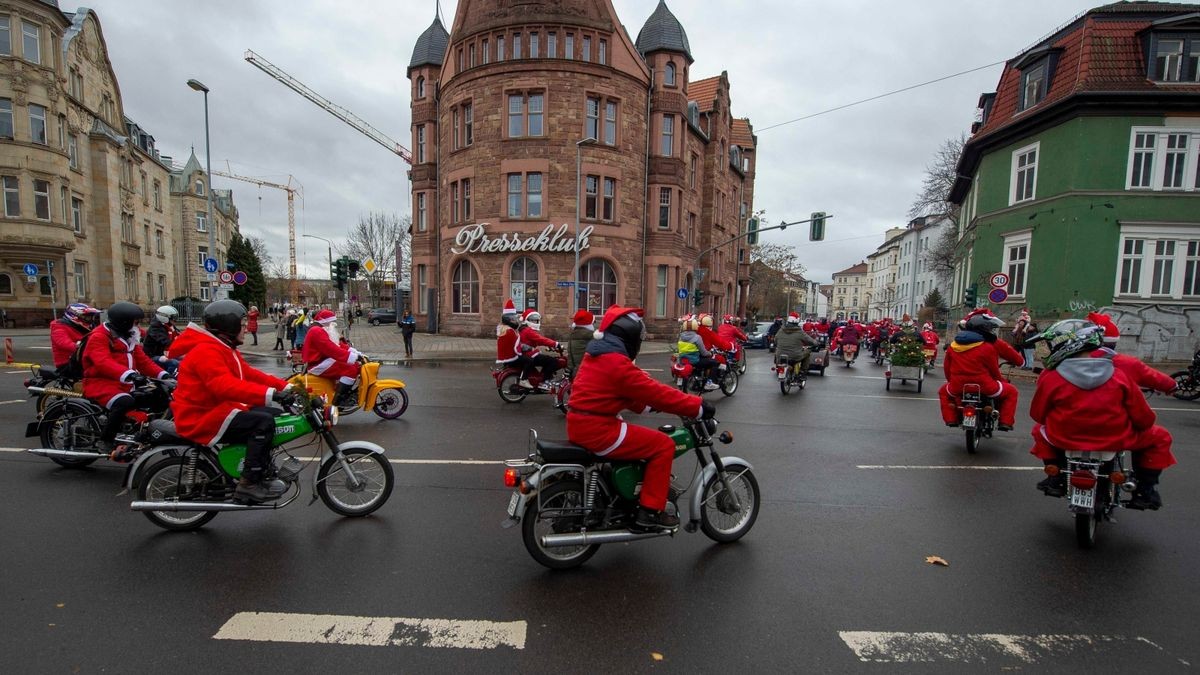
162 432
556 452
47 373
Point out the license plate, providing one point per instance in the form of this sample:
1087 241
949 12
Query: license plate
679 380
783 375
513 502
968 422
1084 499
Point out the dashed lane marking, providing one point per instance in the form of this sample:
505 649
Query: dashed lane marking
947 467
372 631
989 648
15 400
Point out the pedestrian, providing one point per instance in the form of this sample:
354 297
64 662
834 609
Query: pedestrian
301 323
1025 330
252 323
408 326
281 329
289 320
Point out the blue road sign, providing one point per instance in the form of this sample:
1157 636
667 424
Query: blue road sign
31 270
210 265
682 294
565 284
998 295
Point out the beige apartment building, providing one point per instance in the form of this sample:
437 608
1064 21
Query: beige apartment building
189 213
849 299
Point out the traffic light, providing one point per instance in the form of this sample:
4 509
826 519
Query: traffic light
699 297
816 227
340 273
333 269
971 296
352 267
752 231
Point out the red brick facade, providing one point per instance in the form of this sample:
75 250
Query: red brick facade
494 166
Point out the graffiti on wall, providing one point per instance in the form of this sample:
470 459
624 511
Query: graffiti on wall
1082 307
1157 332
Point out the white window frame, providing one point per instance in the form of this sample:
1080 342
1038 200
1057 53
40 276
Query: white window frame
201 222
36 36
660 292
199 186
1014 240
1036 148
205 291
76 214
40 117
1158 164
1150 234
81 279
41 197
422 213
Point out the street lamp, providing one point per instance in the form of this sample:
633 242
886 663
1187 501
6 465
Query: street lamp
578 189
212 226
328 243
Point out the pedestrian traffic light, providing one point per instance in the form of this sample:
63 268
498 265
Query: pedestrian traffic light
699 295
352 267
816 226
971 296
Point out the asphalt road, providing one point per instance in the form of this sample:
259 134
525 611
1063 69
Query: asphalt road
833 577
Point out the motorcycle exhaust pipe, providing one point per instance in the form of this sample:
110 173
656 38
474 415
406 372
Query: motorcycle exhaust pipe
601 537
199 506
55 391
66 454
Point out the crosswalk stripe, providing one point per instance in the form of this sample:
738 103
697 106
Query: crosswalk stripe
992 649
373 631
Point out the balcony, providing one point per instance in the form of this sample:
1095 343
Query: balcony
131 254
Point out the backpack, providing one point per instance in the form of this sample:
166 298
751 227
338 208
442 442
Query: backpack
73 370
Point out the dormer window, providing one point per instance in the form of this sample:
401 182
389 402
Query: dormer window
1033 86
200 188
669 75
1037 74
1176 58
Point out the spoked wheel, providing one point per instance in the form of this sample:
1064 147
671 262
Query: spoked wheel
722 517
509 390
360 494
391 403
785 387
559 502
167 481
564 397
729 383
68 427
972 442
1188 388
1085 528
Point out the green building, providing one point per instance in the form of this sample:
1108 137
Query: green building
1081 181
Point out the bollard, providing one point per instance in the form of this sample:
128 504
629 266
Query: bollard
8 350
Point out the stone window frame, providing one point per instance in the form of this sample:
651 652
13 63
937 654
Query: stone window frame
37 38
157 192
538 282
523 195
535 45
662 134
569 46
420 144
454 196
525 93
552 44
45 140
10 118
669 193
601 179
485 51
6 19
80 276
36 197
420 87
516 46
669 75
77 222
1016 268
421 210
462 127
159 239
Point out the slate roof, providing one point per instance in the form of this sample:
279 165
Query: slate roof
743 133
431 46
704 92
663 32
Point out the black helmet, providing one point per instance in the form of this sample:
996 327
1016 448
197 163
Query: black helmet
123 315
224 319
984 323
630 329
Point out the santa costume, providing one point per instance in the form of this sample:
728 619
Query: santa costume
324 355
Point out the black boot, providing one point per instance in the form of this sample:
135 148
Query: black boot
1146 496
344 396
654 521
1056 485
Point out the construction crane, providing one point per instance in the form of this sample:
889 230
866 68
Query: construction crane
291 197
329 106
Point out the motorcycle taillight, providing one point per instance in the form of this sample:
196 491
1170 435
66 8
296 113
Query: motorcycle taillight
511 478
969 412
1083 479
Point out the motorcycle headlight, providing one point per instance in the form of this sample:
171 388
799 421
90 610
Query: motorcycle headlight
334 415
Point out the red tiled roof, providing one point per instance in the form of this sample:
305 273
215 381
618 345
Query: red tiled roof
704 92
743 134
860 268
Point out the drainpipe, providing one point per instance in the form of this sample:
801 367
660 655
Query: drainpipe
646 186
437 198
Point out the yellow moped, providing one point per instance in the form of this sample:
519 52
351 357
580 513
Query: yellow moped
386 398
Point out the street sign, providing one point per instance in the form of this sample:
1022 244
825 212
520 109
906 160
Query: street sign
682 294
212 276
240 278
565 284
998 295
332 295
226 287
226 277
210 264
31 280
31 270
999 280
369 265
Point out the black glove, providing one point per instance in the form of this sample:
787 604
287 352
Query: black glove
138 380
708 410
284 396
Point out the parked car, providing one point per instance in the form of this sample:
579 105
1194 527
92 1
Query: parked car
381 315
759 338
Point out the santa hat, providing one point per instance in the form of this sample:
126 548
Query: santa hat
325 317
583 318
1111 332
526 313
509 308
615 312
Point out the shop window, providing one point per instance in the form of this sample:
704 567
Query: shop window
523 283
465 287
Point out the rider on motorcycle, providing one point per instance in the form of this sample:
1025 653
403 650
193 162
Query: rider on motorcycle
1086 402
607 383
712 340
326 355
692 348
794 346
221 398
1143 375
159 337
114 364
730 331
531 339
973 359
77 321
508 343
1005 351
931 339
850 334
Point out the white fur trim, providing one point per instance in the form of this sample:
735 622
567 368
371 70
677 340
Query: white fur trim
270 394
224 426
113 400
346 379
620 439
999 390
598 334
161 375
354 354
126 375
322 366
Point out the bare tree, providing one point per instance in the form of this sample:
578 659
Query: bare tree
772 268
379 236
259 246
940 175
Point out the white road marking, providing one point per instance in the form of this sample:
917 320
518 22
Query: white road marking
15 400
373 631
963 467
891 397
16 372
885 647
1196 409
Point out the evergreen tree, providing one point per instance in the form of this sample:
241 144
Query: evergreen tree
908 351
242 257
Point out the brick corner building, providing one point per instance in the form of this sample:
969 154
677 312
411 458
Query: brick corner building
503 106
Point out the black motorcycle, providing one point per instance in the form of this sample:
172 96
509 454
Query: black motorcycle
1187 382
70 428
49 385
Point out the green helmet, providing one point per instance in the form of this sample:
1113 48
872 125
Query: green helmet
1068 338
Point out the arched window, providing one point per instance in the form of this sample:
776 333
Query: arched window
199 187
669 75
45 285
597 286
420 87
466 288
5 284
523 283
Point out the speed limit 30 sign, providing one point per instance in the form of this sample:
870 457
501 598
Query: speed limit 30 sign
999 280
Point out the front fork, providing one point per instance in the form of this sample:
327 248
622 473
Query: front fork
355 482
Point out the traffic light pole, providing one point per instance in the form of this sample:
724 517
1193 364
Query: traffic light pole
710 249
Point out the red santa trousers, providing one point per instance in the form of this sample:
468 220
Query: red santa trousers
619 440
1006 398
1151 448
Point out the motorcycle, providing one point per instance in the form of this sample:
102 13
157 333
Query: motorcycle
181 485
1187 382
930 357
386 398
977 414
789 375
689 380
882 352
1095 481
508 379
849 353
69 428
739 357
50 385
569 501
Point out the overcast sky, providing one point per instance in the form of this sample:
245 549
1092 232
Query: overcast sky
785 59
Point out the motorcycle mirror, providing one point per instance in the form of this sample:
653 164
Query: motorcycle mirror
726 437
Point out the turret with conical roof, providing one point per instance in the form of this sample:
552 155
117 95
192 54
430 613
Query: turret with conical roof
431 46
663 32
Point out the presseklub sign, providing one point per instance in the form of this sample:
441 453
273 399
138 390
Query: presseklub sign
553 239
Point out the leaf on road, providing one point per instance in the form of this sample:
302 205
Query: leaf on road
60 605
936 560
656 656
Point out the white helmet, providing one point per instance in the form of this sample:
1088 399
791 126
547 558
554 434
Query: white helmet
166 314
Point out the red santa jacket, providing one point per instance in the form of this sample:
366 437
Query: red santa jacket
532 339
930 338
215 383
970 360
508 344
1141 374
319 347
1008 353
731 333
711 340
109 360
1090 404
64 336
